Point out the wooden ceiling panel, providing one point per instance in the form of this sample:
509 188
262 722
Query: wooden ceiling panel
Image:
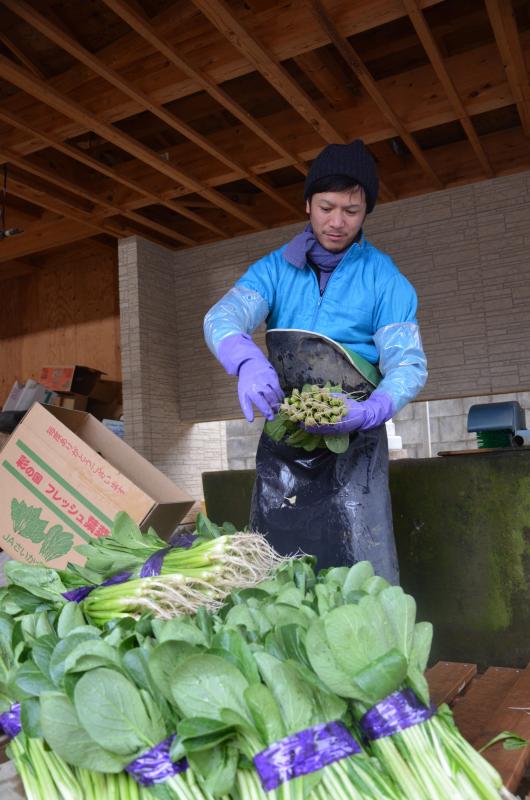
195 120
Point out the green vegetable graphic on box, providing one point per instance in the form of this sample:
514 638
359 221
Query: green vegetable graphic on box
57 543
27 523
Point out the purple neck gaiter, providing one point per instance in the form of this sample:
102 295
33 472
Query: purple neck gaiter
306 247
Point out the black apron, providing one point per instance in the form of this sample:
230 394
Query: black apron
335 507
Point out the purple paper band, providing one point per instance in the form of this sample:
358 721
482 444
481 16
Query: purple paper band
79 594
153 565
182 540
396 712
10 721
304 752
155 765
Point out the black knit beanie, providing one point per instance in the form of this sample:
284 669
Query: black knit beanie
352 160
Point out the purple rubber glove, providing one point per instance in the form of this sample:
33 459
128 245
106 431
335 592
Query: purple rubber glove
258 381
360 417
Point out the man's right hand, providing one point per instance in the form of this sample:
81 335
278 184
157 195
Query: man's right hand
259 385
258 382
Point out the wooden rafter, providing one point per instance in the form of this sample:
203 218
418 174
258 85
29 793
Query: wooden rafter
60 102
431 48
500 13
357 66
221 16
100 203
56 34
83 158
146 29
22 57
44 235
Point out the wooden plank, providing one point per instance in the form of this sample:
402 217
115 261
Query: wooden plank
109 172
220 15
501 704
42 91
504 28
357 66
431 48
146 30
481 700
56 34
447 679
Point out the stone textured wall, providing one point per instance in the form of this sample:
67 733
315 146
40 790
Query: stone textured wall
151 375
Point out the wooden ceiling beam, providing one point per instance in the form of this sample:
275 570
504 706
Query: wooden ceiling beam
358 67
93 164
326 75
147 31
500 13
42 91
431 48
61 38
100 203
22 57
221 16
41 236
219 13
480 76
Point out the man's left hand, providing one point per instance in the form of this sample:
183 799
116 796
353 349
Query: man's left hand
361 416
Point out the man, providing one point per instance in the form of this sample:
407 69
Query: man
329 280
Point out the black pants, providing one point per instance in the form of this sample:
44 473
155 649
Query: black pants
336 507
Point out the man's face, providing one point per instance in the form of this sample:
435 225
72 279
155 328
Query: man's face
337 217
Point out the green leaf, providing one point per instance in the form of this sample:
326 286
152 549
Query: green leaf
265 713
30 717
291 693
61 652
204 685
400 611
357 576
113 713
381 677
70 617
39 581
165 660
69 739
233 642
91 654
217 768
201 733
324 663
205 528
511 741
31 680
337 444
178 630
126 531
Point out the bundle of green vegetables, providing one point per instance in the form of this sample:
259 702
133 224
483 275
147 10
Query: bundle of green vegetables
287 692
313 405
129 573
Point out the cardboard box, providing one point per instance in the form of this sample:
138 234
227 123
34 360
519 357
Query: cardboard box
80 380
75 402
64 477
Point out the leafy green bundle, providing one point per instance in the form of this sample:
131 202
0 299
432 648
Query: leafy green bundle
313 405
277 660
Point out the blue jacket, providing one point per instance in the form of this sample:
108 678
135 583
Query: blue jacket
365 292
368 306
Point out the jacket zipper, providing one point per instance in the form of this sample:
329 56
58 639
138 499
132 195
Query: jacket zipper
317 309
